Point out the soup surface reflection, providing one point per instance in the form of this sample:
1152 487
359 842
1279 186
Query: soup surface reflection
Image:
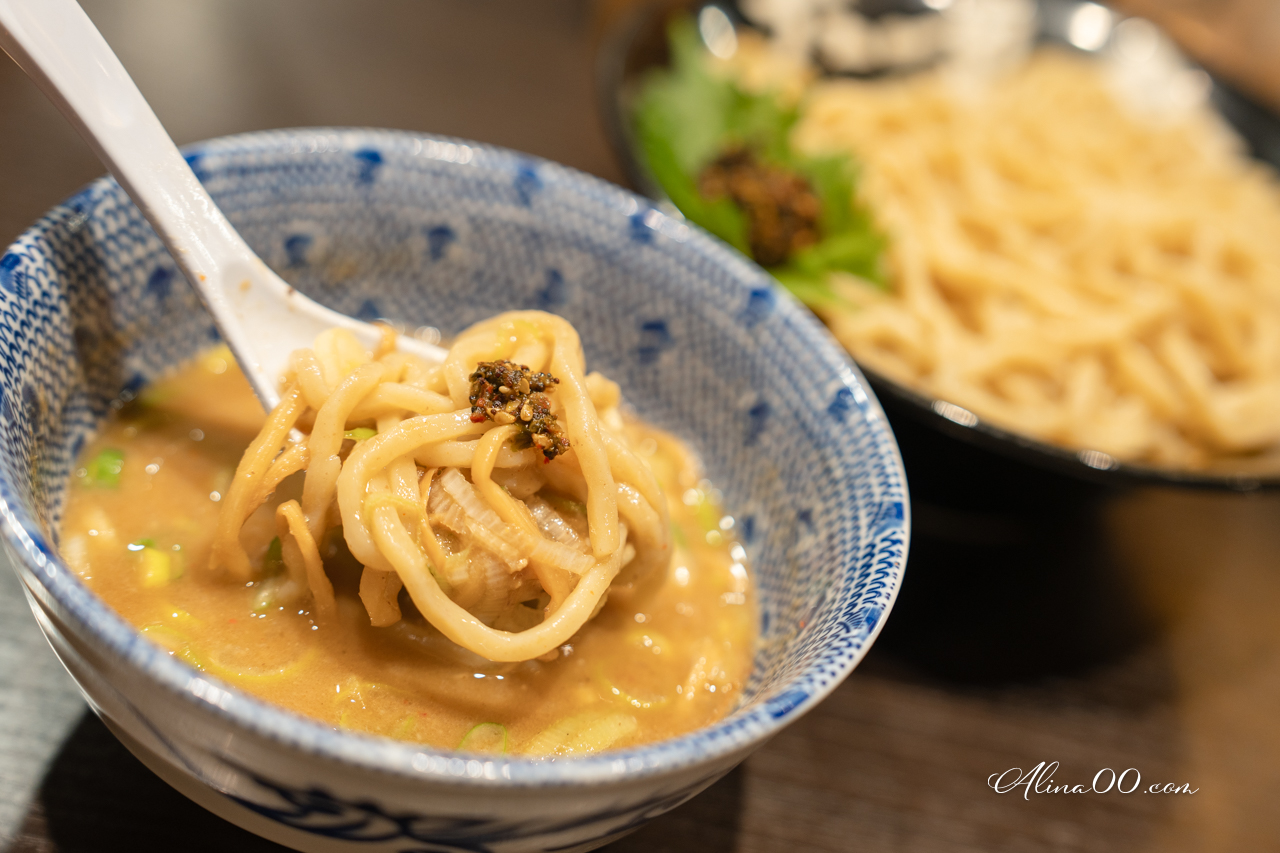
138 530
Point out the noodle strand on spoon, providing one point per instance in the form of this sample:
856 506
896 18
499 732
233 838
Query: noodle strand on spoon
483 486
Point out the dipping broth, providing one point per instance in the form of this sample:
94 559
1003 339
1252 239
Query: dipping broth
652 664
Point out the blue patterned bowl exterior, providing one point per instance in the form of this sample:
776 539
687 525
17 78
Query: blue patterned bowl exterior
427 230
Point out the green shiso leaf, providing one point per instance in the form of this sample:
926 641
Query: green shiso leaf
681 122
685 117
104 469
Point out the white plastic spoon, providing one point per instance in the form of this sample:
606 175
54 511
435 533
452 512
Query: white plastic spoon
261 317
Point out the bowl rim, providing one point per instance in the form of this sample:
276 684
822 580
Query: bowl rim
613 88
728 739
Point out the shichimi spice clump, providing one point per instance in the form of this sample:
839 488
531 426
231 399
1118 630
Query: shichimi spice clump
782 210
509 393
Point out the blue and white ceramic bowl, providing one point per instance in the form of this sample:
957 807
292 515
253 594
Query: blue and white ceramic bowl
435 231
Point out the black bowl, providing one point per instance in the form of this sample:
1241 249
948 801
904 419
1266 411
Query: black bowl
1001 522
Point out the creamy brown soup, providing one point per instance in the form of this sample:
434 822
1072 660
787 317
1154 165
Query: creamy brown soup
139 527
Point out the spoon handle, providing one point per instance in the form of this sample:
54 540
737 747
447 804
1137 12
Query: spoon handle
260 316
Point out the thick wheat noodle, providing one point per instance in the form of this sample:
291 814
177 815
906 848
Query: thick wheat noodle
640 516
378 588
396 396
402 471
227 553
321 481
427 535
383 500
1063 266
402 477
399 364
466 353
468 631
553 579
640 501
631 470
337 351
327 360
426 378
309 375
580 419
378 593
375 494
291 523
291 553
534 352
386 342
459 454
507 507
585 436
291 461
375 454
434 380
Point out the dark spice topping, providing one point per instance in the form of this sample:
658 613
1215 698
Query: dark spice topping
781 208
508 393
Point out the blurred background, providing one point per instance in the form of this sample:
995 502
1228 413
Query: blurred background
898 758
516 73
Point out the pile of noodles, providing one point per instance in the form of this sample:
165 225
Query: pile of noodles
1063 264
506 547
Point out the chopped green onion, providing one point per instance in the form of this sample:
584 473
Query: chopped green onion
273 560
164 636
405 728
235 672
360 433
564 505
182 617
586 732
177 563
265 596
614 690
157 394
104 469
175 642
708 514
157 567
485 737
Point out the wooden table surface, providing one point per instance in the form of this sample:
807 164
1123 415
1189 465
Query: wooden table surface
898 759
